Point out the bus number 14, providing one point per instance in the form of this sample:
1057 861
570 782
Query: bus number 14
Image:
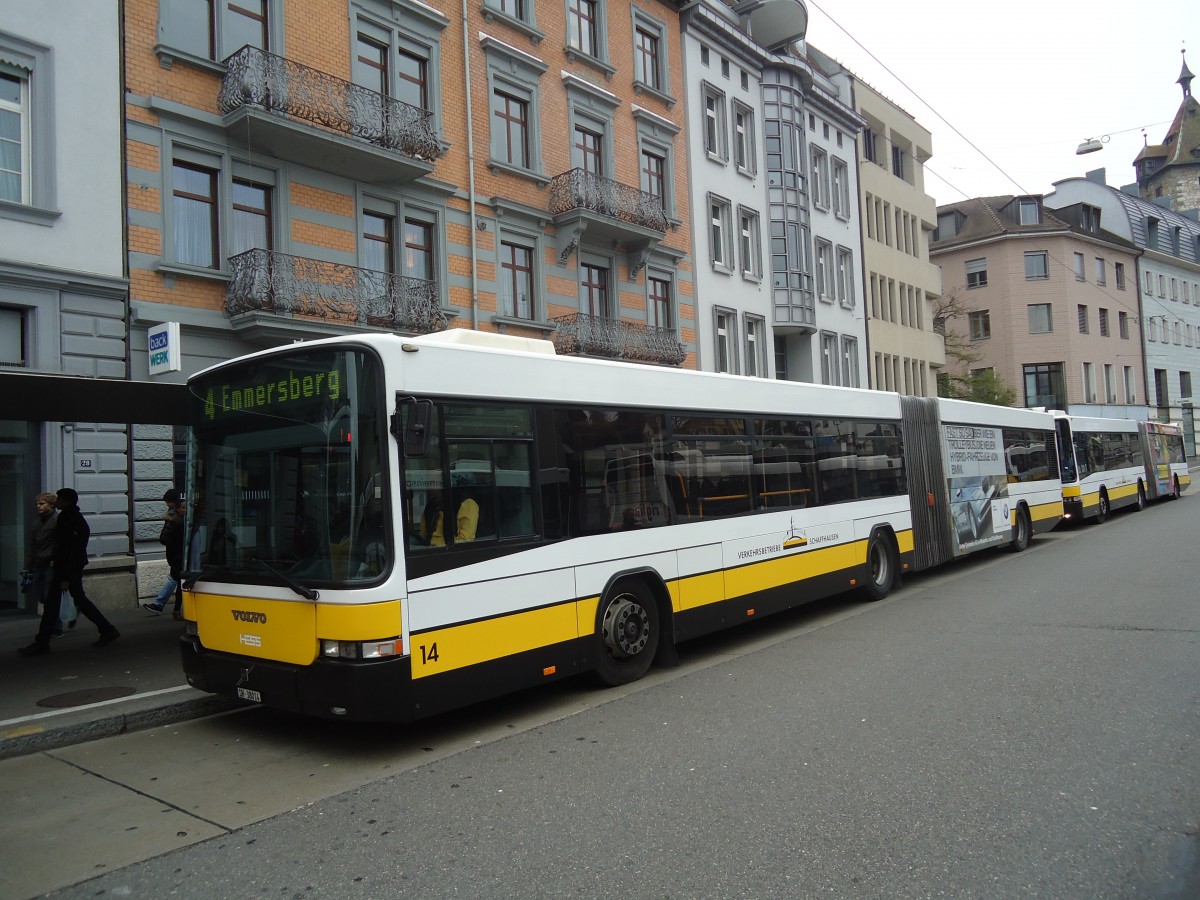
429 654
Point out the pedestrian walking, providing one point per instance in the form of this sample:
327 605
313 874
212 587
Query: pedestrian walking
35 579
71 533
171 537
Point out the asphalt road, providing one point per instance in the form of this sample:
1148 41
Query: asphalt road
1009 726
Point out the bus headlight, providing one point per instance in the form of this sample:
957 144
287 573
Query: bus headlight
362 649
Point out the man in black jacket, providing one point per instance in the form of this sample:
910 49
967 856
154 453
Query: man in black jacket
71 535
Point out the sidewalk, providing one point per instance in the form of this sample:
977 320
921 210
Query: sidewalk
80 693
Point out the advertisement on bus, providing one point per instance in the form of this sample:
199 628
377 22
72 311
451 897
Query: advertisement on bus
977 483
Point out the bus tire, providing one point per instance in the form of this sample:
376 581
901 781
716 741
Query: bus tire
1175 489
1102 508
628 631
882 565
1022 531
1141 498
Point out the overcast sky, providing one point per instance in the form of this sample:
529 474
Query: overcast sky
1024 81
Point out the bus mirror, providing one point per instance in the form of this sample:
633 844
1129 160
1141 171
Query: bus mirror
415 436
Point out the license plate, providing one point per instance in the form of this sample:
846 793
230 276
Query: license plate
247 694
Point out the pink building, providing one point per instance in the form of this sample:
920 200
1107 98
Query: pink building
1053 303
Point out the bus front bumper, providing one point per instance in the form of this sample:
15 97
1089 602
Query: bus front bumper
357 690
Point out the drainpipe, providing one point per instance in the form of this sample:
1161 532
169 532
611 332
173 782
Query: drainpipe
471 173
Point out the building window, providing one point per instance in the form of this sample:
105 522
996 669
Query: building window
14 138
850 377
511 115
1081 312
1035 266
980 324
214 29
1130 392
898 161
1045 385
12 338
829 358
1100 278
755 346
1089 383
1040 318
743 139
251 217
1152 232
1185 384
748 243
819 182
589 153
1079 274
1110 384
418 249
379 242
412 79
595 291
583 26
659 296
654 169
719 232
725 333
714 122
841 189
781 367
976 273
845 277
194 215
645 48
1090 218
824 285
1030 213
1123 325
870 145
516 280
1119 274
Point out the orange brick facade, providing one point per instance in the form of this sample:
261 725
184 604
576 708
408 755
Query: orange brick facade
172 114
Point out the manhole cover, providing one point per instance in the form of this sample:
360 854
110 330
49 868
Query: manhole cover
82 698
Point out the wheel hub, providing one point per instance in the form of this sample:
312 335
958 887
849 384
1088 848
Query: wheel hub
626 628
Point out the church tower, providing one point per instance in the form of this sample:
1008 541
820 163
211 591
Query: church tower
1172 169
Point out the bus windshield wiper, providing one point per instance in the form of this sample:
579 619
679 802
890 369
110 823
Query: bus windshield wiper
305 592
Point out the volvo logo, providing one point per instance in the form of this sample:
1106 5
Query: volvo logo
242 615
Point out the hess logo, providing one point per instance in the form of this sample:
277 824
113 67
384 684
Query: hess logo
242 615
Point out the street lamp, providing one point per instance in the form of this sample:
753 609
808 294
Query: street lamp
1091 145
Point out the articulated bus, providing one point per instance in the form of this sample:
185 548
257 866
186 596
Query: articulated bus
383 528
1108 464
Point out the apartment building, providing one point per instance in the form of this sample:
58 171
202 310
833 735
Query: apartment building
303 170
898 218
1053 307
62 283
1166 281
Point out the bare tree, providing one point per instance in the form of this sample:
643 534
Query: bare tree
951 320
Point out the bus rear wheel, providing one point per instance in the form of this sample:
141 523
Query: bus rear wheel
1175 489
1021 531
628 633
881 567
1141 499
1102 509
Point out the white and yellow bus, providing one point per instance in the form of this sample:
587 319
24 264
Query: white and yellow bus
383 528
1108 464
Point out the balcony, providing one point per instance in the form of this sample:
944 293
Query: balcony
608 211
274 295
292 112
580 334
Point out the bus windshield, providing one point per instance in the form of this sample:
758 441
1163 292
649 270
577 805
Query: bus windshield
285 471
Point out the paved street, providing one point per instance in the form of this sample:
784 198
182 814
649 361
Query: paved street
992 730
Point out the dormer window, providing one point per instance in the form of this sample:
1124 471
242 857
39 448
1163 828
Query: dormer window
949 225
1030 211
1090 218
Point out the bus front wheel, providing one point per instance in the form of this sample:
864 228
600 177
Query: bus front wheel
881 567
1141 499
1102 509
1021 531
628 633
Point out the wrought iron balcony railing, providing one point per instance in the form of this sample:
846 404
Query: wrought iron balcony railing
265 281
256 78
580 333
580 189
